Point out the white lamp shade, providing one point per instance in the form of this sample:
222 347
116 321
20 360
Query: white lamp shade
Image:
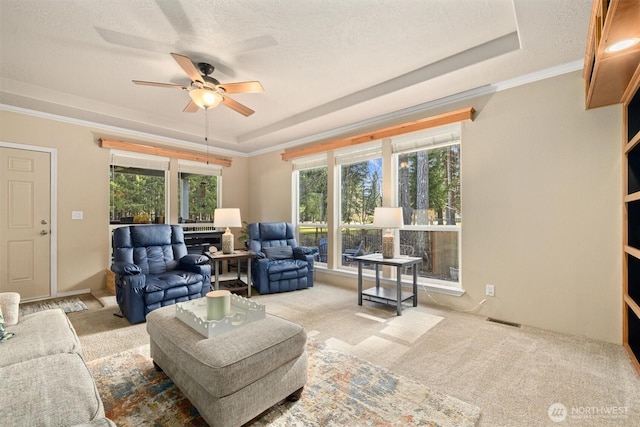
205 98
388 218
227 217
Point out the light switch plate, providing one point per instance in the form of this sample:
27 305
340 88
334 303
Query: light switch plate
77 215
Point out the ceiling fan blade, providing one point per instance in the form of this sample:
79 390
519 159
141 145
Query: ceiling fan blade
191 107
188 67
242 87
235 105
141 82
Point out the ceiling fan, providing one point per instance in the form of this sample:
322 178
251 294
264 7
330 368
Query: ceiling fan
205 91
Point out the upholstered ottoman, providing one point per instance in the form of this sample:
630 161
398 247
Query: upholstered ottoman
233 377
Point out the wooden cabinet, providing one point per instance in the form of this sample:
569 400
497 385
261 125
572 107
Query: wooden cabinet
631 235
607 75
614 78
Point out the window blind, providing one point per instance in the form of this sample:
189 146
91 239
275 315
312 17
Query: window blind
199 168
434 138
359 154
310 162
140 161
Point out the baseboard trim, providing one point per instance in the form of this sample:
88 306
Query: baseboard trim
72 293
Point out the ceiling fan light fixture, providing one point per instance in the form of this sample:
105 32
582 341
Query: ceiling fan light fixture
205 98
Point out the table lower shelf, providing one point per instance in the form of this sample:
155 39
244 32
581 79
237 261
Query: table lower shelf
385 294
233 285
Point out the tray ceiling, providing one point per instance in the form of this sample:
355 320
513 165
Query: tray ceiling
325 65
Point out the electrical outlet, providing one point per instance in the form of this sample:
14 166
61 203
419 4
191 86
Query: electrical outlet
491 291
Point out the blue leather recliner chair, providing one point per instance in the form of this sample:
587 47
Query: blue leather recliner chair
152 269
280 264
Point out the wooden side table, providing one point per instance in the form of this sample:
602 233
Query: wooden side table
234 285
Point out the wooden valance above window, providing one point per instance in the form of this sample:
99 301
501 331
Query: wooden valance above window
387 132
166 152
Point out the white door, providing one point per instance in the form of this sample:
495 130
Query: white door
25 217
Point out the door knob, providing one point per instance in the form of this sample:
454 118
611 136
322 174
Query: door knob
44 232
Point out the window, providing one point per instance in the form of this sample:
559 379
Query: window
138 188
360 194
198 197
311 212
198 193
428 171
424 179
313 196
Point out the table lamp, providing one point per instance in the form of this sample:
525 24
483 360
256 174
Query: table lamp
388 218
227 217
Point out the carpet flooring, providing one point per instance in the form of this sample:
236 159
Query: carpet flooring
514 375
342 390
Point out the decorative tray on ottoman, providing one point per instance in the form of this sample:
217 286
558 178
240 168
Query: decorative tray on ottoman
243 312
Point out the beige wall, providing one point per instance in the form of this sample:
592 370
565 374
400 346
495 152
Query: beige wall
83 185
270 188
541 208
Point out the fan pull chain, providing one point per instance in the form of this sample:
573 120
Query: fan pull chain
206 130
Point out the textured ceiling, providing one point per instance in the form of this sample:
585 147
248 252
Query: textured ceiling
324 64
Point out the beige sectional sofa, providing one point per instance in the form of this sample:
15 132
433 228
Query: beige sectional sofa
44 380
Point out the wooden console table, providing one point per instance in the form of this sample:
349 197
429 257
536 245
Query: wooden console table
386 294
234 285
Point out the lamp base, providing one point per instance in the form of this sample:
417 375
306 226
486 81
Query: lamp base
387 246
227 242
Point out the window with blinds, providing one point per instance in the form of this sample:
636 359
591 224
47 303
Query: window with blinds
199 188
137 189
424 179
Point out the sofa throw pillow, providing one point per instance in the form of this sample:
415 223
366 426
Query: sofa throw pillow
278 252
3 334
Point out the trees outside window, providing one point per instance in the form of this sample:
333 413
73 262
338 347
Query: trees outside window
139 189
361 191
360 194
429 186
312 209
197 197
312 188
429 194
137 195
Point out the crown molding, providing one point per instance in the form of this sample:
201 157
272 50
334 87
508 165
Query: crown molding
547 73
122 131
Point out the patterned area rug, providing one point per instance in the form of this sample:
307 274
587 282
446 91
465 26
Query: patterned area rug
69 305
342 390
